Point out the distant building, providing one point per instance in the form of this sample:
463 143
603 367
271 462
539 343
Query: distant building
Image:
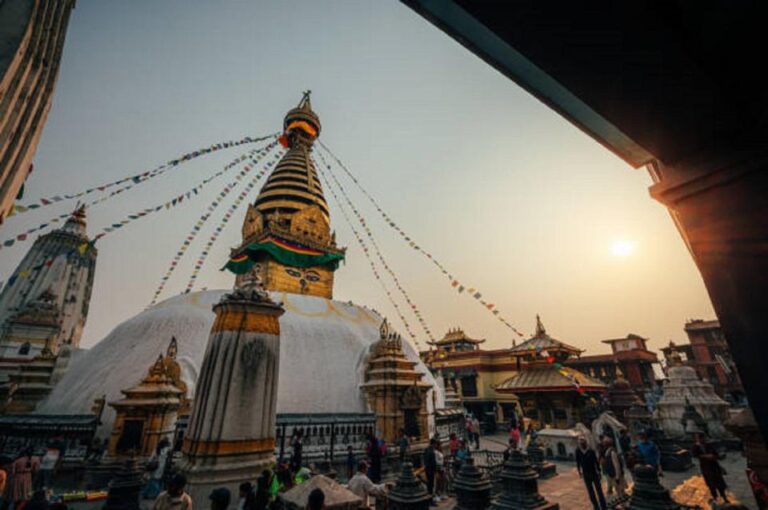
43 309
708 353
473 373
31 40
551 394
629 354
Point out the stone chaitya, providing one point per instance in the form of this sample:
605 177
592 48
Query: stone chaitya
682 387
231 434
408 493
396 391
519 487
472 487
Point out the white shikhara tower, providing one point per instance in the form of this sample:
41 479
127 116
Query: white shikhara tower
44 304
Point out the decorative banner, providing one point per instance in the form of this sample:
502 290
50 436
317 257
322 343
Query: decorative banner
201 222
364 247
285 252
138 178
53 221
227 216
388 220
380 256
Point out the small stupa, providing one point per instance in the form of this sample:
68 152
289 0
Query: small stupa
682 387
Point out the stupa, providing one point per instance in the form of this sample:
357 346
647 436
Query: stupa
684 386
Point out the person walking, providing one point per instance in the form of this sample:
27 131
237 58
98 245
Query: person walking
710 466
613 468
476 430
430 467
23 470
175 498
374 457
156 468
589 470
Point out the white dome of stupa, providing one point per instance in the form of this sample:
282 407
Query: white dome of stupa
323 350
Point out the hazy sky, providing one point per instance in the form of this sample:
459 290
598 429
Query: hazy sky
508 195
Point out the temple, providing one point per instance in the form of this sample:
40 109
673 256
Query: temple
287 230
43 309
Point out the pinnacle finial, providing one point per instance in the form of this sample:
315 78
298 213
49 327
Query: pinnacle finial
540 330
305 102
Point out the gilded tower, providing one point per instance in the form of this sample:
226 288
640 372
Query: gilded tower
287 233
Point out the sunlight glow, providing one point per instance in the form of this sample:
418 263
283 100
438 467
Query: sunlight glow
622 248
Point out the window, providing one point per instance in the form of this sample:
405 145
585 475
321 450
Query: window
411 423
24 349
469 386
130 439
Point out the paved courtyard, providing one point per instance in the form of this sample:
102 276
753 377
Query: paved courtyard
568 490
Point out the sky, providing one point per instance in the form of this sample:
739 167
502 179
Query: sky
506 194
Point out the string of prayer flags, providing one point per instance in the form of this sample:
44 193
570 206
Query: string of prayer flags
366 252
227 216
81 250
138 178
408 239
189 238
369 234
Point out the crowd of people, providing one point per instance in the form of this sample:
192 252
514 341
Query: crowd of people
26 481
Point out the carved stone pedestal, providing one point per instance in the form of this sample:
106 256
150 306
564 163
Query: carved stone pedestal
648 493
544 468
519 487
125 487
472 487
408 493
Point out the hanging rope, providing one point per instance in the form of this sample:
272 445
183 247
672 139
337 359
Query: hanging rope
227 216
138 178
455 283
366 252
364 226
255 159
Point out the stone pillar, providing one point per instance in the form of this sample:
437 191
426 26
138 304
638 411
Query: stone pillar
125 487
718 201
472 487
408 493
648 493
231 434
544 468
519 487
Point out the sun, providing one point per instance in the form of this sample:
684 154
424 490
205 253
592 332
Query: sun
622 248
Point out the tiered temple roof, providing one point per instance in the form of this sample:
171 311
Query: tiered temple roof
457 339
541 342
549 378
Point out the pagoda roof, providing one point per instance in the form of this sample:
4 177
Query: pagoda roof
454 336
549 378
541 341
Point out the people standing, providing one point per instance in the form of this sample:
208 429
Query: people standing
156 468
175 498
362 486
453 444
220 498
263 485
589 470
351 462
710 466
649 452
439 472
613 468
298 450
48 465
476 430
247 498
403 444
430 467
514 436
374 456
23 470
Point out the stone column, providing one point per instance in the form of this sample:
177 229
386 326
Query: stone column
231 434
520 490
648 493
408 493
472 487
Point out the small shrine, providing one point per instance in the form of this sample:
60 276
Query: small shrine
621 397
337 497
519 486
472 486
550 393
408 493
648 493
148 412
396 391
682 387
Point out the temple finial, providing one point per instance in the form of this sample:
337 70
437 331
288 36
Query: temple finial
540 330
305 102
